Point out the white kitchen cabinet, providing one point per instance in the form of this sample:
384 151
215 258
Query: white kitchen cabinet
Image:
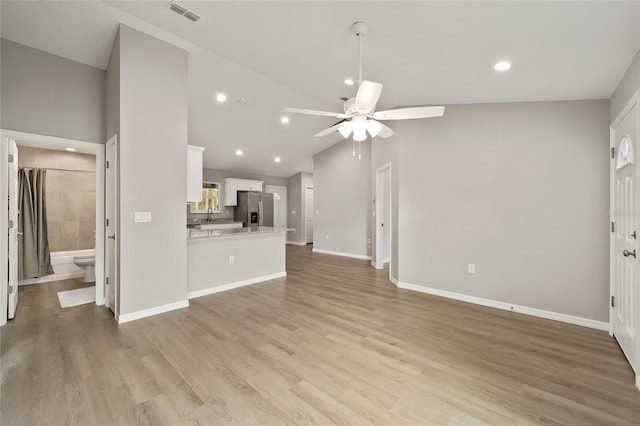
194 173
233 185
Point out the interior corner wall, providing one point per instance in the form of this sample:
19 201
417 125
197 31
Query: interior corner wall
294 209
385 151
342 199
152 166
49 95
627 87
521 190
296 206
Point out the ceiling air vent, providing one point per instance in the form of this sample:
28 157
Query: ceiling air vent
180 10
191 16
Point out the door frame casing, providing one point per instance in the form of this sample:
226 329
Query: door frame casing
116 223
266 189
55 143
633 101
304 222
378 261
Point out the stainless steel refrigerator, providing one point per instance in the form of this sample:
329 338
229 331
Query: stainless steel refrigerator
254 209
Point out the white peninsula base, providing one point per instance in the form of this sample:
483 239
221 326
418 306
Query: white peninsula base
226 262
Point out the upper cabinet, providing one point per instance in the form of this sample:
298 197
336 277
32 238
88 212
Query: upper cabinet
232 186
194 173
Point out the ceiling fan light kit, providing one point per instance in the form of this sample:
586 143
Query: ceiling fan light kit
360 117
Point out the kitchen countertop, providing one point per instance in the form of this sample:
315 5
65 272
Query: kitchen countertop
198 234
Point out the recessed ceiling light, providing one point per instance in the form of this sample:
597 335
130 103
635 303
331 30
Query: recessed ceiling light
221 97
70 149
502 66
284 119
348 82
277 159
239 152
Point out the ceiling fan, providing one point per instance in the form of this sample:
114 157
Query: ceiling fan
360 116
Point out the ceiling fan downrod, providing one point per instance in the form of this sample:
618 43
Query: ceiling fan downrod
360 29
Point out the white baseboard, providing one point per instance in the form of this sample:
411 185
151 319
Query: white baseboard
374 264
570 319
394 280
231 286
385 260
638 381
152 311
340 253
295 243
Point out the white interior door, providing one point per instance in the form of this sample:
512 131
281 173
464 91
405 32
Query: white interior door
13 230
383 216
111 225
308 215
279 205
625 243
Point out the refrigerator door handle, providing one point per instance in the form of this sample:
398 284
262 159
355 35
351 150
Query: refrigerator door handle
260 213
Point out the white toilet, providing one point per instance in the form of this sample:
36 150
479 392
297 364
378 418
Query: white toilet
88 263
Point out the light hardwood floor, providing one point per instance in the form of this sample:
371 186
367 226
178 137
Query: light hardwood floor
334 342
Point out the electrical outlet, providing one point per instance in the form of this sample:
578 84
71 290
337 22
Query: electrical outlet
317 212
327 236
368 240
293 212
232 260
471 268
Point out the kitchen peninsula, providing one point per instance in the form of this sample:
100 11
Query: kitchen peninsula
223 259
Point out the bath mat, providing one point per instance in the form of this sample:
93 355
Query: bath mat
79 296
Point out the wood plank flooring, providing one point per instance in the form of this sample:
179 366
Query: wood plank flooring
333 343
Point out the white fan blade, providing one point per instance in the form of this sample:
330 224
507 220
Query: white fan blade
367 97
385 132
313 112
329 130
410 113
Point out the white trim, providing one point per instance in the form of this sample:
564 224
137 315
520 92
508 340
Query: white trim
286 211
152 311
295 243
340 253
570 319
373 263
113 141
394 280
4 226
638 381
231 286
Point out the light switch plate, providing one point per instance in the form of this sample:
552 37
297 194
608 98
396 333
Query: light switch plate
142 217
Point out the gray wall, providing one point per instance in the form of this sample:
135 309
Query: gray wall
626 89
522 191
342 195
295 203
112 79
218 176
153 153
49 95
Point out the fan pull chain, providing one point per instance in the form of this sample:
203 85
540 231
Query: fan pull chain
354 147
359 150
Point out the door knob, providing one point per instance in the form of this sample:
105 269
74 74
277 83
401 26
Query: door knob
628 253
113 237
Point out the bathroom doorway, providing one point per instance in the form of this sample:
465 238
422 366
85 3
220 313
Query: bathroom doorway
74 177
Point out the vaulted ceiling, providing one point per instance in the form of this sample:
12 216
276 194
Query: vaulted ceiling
297 54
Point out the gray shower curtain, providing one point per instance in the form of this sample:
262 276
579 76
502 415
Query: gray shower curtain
34 259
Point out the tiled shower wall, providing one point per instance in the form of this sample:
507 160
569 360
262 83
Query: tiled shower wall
71 196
